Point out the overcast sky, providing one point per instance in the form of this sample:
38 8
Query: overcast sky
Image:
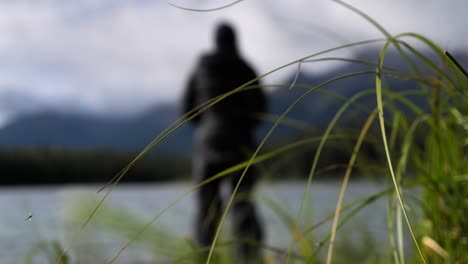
119 57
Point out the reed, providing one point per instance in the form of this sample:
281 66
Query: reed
422 147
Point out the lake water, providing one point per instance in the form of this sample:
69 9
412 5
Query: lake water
56 211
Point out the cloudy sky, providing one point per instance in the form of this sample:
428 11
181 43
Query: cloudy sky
120 57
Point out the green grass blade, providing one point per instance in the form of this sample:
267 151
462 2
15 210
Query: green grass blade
162 212
456 63
289 222
289 109
387 153
352 214
401 168
366 200
344 185
188 117
325 136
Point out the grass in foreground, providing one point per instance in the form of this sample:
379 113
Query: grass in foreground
438 158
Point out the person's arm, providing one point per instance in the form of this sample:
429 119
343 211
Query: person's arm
189 98
257 100
259 103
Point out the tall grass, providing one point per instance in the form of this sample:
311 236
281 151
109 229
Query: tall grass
428 150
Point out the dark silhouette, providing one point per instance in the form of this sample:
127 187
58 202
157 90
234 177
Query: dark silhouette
224 135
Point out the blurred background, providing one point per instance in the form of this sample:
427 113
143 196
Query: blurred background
86 85
108 75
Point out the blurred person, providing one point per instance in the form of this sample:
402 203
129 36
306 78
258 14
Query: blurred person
224 136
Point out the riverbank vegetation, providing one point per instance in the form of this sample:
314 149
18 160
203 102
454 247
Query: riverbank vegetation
56 165
60 166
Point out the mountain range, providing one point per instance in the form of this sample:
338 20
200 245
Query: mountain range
74 131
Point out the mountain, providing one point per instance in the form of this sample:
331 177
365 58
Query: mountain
51 129
48 128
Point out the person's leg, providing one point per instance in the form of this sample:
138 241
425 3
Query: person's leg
208 205
246 224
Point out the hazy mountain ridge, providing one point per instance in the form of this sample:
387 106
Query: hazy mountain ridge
51 129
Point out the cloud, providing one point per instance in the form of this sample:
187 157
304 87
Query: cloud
120 57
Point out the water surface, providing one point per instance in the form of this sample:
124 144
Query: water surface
53 210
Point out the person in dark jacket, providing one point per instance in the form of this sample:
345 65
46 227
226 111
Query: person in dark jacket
224 136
